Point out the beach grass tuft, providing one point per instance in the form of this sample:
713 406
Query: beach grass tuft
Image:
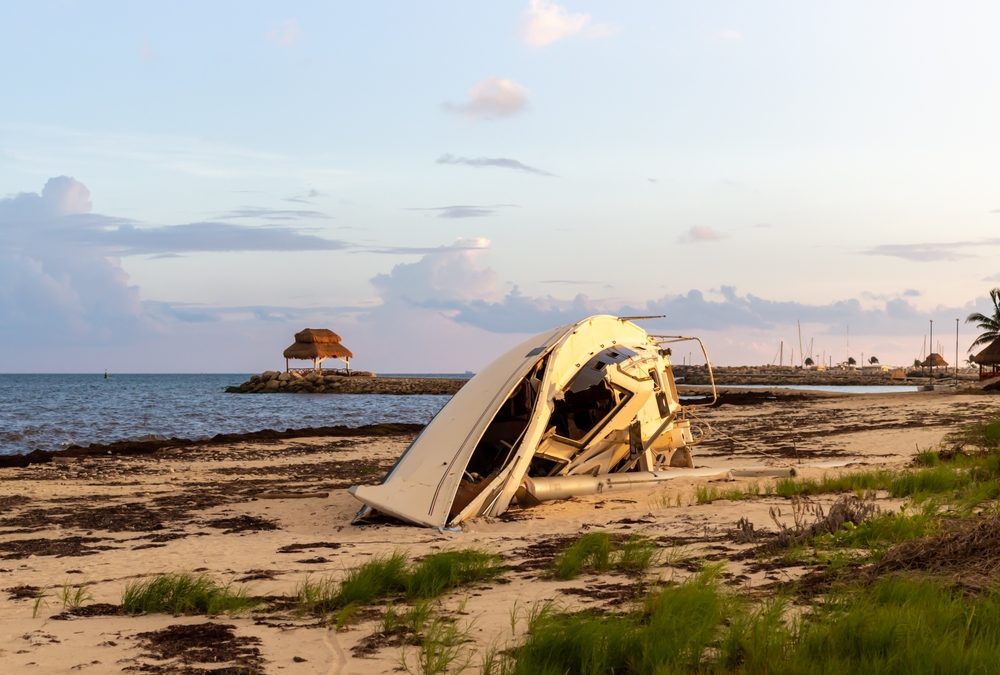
184 593
600 552
74 596
394 575
441 572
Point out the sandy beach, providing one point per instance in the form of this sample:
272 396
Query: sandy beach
270 513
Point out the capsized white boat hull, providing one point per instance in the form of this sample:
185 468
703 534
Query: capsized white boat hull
584 401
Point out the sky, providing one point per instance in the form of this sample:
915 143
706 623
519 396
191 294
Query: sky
184 185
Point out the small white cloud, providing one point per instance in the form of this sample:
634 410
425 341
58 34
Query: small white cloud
700 233
546 22
285 34
492 97
729 35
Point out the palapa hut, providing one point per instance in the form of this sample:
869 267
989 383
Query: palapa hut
989 357
317 344
934 360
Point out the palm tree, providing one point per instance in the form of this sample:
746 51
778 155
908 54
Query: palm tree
990 325
809 362
851 361
873 360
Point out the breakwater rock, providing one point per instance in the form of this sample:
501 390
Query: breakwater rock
295 382
779 375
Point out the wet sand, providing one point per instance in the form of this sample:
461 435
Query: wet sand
269 511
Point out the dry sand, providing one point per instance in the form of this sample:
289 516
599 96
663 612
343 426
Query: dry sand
104 521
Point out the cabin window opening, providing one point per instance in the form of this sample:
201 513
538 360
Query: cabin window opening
588 400
497 445
505 430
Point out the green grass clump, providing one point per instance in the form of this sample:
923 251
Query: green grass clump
849 482
935 477
380 577
599 552
74 596
900 625
706 495
444 571
671 634
394 576
886 529
591 551
184 593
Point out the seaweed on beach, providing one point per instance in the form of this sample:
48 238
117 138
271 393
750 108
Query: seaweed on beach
149 447
63 547
183 645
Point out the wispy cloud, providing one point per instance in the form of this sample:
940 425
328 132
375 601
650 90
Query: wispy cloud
306 197
475 244
572 282
546 22
925 252
699 234
286 34
490 98
209 236
497 162
464 210
271 214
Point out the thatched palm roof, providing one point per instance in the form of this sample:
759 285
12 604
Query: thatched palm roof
934 359
318 335
317 343
989 356
317 350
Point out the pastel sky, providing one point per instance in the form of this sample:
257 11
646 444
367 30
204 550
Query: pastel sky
184 185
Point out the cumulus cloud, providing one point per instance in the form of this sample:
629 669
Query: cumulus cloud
464 210
699 234
546 22
285 34
497 162
60 263
490 98
442 279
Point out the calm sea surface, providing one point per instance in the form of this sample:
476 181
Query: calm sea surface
49 412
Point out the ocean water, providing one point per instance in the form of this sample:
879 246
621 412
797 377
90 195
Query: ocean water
49 412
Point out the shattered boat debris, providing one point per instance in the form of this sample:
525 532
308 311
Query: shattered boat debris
581 409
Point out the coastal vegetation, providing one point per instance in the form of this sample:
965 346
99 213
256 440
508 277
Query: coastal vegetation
598 552
988 324
907 591
184 593
394 576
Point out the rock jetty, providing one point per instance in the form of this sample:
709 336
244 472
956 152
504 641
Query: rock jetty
784 375
314 382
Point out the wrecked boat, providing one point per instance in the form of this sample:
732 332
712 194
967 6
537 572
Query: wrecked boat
581 409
